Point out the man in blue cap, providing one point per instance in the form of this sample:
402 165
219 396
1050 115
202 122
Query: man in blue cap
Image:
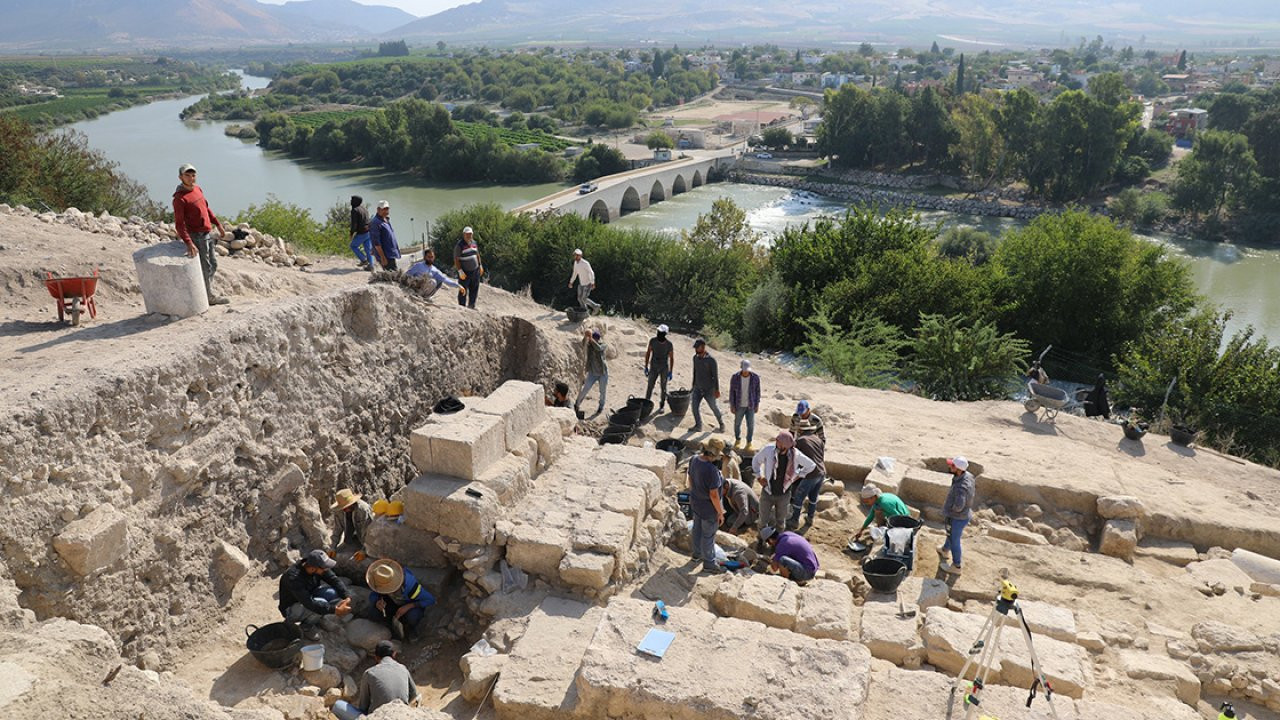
806 420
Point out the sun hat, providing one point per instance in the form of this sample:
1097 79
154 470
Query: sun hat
959 461
184 168
785 440
319 559
383 204
663 328
380 506
467 230
766 533
869 491
384 576
802 407
346 498
713 447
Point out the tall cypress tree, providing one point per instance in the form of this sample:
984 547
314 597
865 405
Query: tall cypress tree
960 76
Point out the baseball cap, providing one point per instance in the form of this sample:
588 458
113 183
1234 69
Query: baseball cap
383 204
699 342
318 559
185 167
577 251
767 532
663 328
467 230
746 364
802 407
959 461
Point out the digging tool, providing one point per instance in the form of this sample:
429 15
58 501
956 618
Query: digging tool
902 613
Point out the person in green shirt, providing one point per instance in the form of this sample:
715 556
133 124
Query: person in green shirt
881 505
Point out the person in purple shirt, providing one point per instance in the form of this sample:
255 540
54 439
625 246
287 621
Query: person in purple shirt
744 399
793 556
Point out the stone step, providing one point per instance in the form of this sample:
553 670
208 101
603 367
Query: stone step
538 679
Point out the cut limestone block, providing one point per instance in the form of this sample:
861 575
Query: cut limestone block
403 543
1044 619
230 563
1017 535
1218 572
660 462
462 446
565 418
1119 538
1120 507
521 406
443 505
527 451
889 635
927 694
1259 567
537 549
1148 666
170 281
825 610
1173 552
616 681
508 478
1152 708
95 541
366 634
924 486
587 569
478 673
768 599
537 681
550 443
846 468
605 532
1216 637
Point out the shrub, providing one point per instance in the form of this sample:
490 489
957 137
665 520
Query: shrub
967 243
865 354
954 360
765 316
295 224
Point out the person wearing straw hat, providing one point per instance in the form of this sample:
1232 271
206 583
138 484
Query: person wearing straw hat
351 518
382 684
397 598
586 278
958 510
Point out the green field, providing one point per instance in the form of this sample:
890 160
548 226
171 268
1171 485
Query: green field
549 143
319 117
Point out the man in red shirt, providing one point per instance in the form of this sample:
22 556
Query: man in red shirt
194 222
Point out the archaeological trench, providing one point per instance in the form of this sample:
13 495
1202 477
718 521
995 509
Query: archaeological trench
139 506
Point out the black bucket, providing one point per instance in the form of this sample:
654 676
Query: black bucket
884 574
625 414
642 406
618 429
448 406
675 446
1181 435
614 438
275 645
904 521
678 401
1135 432
576 314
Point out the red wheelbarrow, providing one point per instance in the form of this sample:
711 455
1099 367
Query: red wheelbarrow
74 295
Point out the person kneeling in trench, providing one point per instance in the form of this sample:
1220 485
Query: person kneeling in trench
398 599
310 591
382 684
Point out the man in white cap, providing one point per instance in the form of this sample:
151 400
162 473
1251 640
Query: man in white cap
466 260
396 597
385 246
744 399
194 222
958 510
659 363
586 278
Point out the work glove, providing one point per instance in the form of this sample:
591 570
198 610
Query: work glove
646 372
462 275
668 375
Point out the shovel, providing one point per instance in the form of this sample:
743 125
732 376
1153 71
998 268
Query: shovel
902 613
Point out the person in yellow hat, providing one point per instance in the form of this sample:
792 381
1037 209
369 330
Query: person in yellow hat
397 598
351 518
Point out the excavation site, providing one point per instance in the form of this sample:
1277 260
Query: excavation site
162 474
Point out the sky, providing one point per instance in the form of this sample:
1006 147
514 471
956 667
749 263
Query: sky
421 8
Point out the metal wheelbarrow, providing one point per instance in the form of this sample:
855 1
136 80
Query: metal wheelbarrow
74 295
1046 399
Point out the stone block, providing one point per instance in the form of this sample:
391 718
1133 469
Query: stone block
1265 589
94 542
231 564
550 442
404 543
461 445
616 681
509 479
768 599
478 674
1091 641
537 549
442 505
587 569
1017 535
170 281
1259 567
527 451
926 694
847 469
519 404
1119 538
825 610
933 593
1173 552
889 635
1217 637
1120 507
326 678
537 680
605 532
1044 619
1148 666
1218 572
923 486
564 418
366 634
660 462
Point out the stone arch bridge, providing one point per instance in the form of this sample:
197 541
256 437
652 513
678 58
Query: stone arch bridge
633 190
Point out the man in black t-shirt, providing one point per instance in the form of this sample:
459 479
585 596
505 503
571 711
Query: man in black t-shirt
659 362
361 241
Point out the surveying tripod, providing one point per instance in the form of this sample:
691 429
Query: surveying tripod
984 652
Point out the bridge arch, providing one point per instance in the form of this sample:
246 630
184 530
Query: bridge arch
657 193
678 185
599 212
697 179
631 200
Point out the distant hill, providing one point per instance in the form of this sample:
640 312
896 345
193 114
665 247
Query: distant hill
827 22
105 24
342 15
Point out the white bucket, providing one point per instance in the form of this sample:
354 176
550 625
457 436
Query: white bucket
312 657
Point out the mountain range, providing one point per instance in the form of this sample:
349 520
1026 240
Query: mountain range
137 24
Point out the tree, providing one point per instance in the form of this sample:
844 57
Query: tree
397 48
977 147
933 49
953 359
777 137
1017 120
658 139
1232 111
931 128
967 243
865 354
1220 170
865 50
598 161
960 76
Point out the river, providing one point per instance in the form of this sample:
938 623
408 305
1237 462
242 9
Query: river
149 142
